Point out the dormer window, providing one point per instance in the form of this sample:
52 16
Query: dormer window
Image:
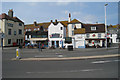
93 28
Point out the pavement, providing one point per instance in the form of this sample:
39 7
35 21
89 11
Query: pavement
64 54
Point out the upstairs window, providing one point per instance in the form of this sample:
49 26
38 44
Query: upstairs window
93 28
10 24
9 31
14 32
35 29
20 31
72 33
61 28
29 29
20 24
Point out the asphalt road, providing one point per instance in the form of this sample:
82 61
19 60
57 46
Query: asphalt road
89 68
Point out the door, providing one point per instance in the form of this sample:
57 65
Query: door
57 43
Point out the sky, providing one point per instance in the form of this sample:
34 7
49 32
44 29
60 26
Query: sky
85 12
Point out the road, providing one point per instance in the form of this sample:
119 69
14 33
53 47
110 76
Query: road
89 68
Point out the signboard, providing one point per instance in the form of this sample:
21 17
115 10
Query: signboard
68 40
2 35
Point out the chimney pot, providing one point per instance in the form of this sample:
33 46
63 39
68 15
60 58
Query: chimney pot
56 21
10 12
35 23
51 21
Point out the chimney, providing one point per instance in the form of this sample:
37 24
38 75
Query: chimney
10 12
69 19
56 21
51 21
35 23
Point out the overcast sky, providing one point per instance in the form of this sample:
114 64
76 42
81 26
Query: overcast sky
86 12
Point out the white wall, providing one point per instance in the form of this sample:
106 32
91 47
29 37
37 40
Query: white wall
52 29
96 35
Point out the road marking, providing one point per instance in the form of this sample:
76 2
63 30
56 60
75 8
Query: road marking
71 71
100 62
86 70
97 62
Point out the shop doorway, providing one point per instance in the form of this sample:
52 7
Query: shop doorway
57 44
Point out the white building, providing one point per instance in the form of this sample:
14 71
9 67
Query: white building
56 33
12 28
77 32
95 35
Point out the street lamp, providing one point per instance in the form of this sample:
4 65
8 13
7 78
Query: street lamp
105 24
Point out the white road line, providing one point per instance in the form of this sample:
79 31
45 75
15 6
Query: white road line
97 62
100 62
71 71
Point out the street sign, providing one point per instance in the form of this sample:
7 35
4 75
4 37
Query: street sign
2 35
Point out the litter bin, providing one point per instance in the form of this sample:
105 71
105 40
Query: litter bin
70 48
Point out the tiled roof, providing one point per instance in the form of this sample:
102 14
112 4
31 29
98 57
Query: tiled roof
79 31
45 25
74 21
99 28
5 16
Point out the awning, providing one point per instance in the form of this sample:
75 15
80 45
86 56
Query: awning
38 39
94 39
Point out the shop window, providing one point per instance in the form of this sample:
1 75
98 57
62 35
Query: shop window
99 35
87 35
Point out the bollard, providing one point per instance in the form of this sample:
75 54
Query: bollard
17 54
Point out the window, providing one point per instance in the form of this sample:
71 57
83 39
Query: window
93 28
35 29
72 32
55 35
9 31
99 35
111 35
72 26
29 29
21 40
60 28
38 28
20 24
27 36
9 41
20 31
14 32
17 41
87 35
10 24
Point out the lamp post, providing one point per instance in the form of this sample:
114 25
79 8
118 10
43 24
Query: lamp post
105 25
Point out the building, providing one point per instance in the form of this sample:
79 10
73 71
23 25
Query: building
12 28
95 35
77 33
37 32
113 33
57 33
